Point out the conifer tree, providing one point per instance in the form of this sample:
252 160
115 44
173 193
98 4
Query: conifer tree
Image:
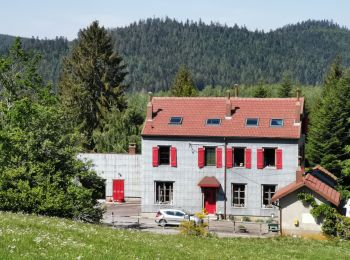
286 86
91 85
260 91
329 126
183 85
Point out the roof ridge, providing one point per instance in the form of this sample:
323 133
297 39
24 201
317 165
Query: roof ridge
232 98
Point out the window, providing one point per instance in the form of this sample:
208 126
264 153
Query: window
269 157
175 120
276 122
213 121
164 155
210 156
252 122
179 214
268 192
238 157
238 195
164 192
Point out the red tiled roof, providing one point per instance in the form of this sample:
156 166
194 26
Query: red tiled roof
196 110
313 184
209 182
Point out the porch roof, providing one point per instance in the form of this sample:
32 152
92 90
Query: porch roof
209 182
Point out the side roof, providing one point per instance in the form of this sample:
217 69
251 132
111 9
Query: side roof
196 110
313 184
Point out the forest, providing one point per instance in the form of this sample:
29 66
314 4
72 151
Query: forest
216 54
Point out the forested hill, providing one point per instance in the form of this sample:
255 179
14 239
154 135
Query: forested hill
51 52
216 54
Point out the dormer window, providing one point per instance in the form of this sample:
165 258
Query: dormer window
213 121
175 120
276 122
252 122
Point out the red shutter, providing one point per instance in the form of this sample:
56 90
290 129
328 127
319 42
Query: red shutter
260 159
278 158
173 159
229 157
218 157
201 157
155 156
248 158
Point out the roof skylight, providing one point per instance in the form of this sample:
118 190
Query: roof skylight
252 122
277 122
175 120
213 121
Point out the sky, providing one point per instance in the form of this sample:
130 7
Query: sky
51 18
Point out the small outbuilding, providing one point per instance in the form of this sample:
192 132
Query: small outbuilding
295 216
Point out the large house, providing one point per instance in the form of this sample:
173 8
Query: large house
227 155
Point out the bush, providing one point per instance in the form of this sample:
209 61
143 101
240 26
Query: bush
192 229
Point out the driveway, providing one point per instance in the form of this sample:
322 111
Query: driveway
128 216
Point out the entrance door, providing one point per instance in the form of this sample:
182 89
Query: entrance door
118 190
210 200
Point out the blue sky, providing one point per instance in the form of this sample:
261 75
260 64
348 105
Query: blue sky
50 18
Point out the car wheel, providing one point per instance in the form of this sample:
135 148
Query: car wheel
162 222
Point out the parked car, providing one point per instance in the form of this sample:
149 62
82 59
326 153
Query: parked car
173 217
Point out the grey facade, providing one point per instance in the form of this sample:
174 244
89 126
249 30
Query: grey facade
186 176
117 167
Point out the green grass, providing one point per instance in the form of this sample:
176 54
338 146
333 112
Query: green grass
31 237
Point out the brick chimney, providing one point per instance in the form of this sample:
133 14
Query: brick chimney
297 108
132 148
299 175
149 114
228 114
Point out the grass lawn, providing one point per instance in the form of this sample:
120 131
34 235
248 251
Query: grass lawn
32 237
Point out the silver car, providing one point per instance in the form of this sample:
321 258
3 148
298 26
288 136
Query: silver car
173 217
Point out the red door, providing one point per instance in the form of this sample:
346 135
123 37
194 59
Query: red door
118 190
210 200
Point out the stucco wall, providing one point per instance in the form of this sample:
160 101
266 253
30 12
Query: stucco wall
186 175
117 166
293 209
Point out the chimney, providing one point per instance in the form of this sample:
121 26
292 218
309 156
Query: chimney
298 93
299 175
228 114
236 91
149 115
132 148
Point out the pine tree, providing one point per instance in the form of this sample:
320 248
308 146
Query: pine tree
329 126
91 84
183 85
260 91
286 86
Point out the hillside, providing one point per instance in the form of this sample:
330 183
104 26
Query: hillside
32 237
216 54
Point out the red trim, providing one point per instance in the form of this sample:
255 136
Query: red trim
218 157
260 158
200 157
155 157
278 158
173 157
229 157
248 158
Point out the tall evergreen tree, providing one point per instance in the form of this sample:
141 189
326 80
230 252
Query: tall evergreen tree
183 85
260 91
329 127
285 89
92 79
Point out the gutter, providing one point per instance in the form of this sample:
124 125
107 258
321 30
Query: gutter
225 176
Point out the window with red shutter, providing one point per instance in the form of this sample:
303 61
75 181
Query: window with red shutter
229 157
173 159
278 158
201 157
248 158
155 157
260 159
218 157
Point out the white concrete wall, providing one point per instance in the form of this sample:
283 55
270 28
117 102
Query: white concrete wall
117 166
294 209
186 175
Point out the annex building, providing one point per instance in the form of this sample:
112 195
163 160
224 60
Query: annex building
227 155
